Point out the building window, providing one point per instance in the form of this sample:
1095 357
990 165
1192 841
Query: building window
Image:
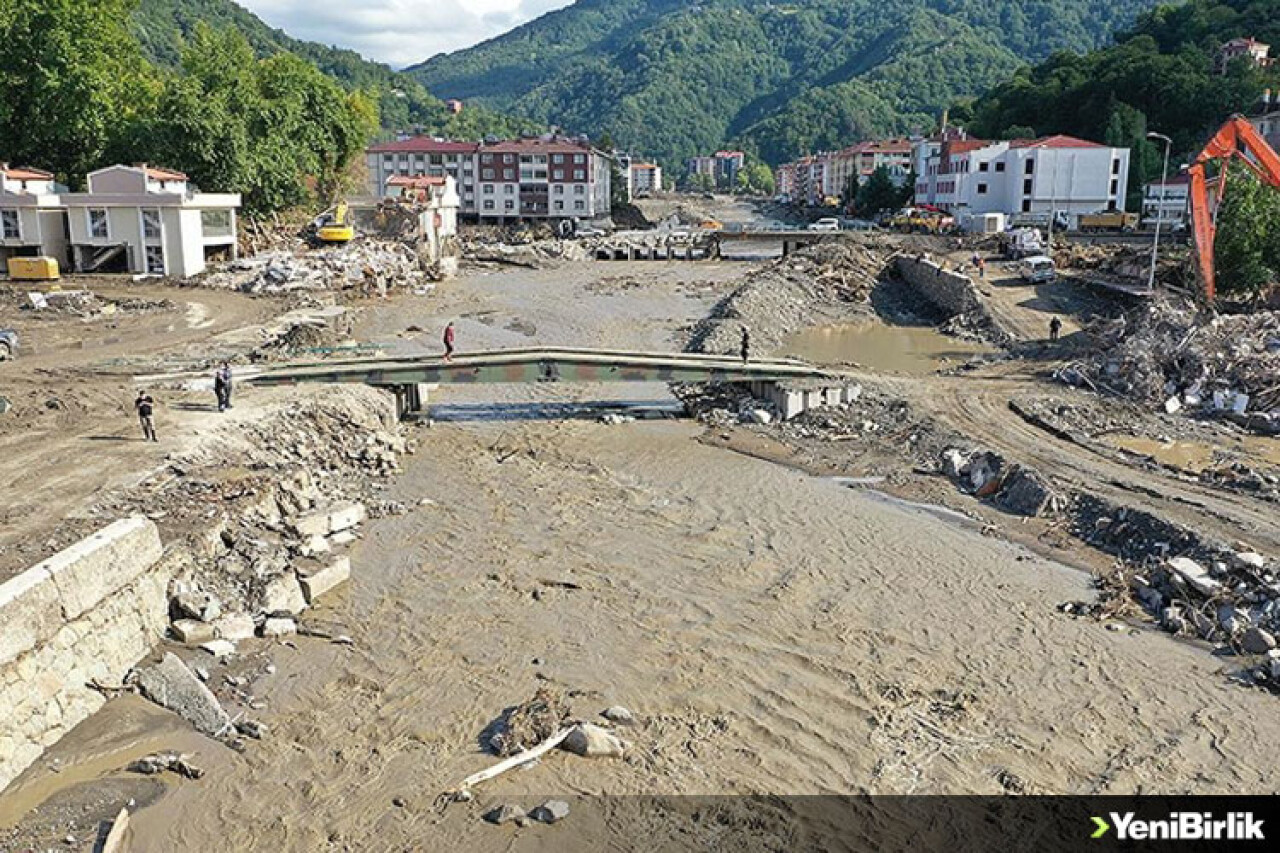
486 158
488 189
559 189
1026 205
1000 166
488 204
983 166
579 158
508 158
216 223
579 174
982 189
579 190
1030 168
559 205
579 205
155 260
1115 166
509 204
486 174
98 228
1026 187
10 225
151 224
558 174
509 189
1115 186
557 158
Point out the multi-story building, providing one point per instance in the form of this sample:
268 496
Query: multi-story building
1040 177
1256 51
1266 118
644 178
139 219
785 179
722 167
1166 201
858 162
425 156
548 177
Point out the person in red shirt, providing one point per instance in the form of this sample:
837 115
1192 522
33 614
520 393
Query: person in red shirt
448 342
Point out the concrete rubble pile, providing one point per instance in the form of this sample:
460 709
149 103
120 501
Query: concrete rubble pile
56 304
1171 354
257 519
369 266
826 281
479 249
1119 260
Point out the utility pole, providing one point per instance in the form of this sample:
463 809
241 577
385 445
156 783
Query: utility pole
1164 179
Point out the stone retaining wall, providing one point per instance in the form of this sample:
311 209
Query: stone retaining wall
947 291
88 613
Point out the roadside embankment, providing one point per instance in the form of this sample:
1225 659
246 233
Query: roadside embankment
80 618
950 293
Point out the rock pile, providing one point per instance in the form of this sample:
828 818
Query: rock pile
827 281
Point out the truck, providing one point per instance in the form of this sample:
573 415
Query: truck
1109 220
1022 243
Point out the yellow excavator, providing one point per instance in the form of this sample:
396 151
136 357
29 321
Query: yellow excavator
334 225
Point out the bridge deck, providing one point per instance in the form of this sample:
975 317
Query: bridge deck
543 364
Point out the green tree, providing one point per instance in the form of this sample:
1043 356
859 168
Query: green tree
702 182
71 76
879 193
1247 248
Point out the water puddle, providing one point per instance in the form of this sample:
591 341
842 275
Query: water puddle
913 350
1196 456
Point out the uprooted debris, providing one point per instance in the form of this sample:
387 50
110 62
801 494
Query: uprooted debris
529 723
159 762
87 305
533 254
1175 355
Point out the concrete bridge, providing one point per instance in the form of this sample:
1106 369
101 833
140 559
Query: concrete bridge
791 385
790 240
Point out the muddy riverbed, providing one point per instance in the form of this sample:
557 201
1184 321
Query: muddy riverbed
773 631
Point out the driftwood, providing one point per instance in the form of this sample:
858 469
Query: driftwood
463 790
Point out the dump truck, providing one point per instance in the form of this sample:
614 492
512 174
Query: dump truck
1109 220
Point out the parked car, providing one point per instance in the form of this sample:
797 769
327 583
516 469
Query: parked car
827 223
857 225
1037 269
8 344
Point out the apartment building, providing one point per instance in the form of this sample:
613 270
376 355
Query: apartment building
1166 201
1266 118
138 219
645 178
537 177
425 156
722 167
858 162
1020 177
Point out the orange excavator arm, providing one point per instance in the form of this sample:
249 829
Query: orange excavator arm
1237 138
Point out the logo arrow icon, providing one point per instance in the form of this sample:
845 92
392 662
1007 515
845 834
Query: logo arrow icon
1102 825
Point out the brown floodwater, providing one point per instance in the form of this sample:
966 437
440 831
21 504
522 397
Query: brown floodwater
913 350
1197 456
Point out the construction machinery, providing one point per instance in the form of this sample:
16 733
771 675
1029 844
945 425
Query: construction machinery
34 269
334 225
1236 139
1108 220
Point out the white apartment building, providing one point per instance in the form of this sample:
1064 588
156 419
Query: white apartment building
138 219
32 221
1166 202
645 179
144 219
540 177
1035 177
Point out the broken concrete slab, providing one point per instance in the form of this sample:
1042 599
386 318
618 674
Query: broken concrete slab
1194 574
346 517
284 595
172 685
193 632
311 524
236 626
316 582
219 648
279 627
1024 492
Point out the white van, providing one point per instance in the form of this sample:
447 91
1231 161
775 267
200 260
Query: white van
1037 269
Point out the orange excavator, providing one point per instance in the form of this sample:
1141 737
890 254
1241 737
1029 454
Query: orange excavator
1237 138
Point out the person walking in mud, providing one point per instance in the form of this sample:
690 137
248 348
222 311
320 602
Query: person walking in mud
746 345
1055 328
448 342
222 386
145 406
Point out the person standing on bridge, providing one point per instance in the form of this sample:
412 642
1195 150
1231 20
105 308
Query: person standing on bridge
746 345
448 342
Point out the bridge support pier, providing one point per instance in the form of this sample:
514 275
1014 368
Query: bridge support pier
412 398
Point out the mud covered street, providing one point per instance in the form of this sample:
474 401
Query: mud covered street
799 608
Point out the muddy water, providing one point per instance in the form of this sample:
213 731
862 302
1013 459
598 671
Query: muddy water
1195 456
914 350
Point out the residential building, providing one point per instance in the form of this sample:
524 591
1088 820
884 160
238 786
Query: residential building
861 160
1166 202
644 179
1025 177
145 219
1266 118
435 202
722 167
32 221
1255 50
532 177
425 156
453 105
785 179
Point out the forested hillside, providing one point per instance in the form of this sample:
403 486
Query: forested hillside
163 27
1157 76
673 78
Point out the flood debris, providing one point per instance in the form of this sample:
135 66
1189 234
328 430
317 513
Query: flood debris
172 685
366 267
529 723
552 811
505 813
159 762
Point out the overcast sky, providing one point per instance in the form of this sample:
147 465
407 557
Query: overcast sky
398 32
